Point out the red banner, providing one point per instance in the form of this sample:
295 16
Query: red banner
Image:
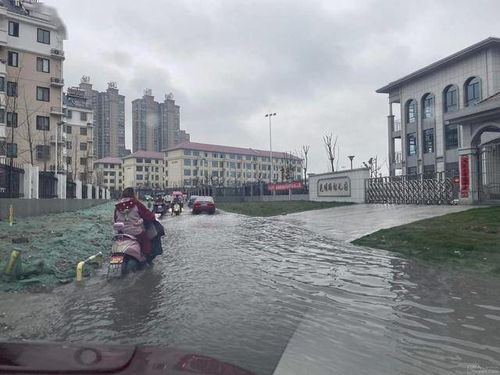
285 186
464 176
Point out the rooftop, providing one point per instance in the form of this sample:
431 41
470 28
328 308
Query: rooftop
466 52
230 150
146 154
109 160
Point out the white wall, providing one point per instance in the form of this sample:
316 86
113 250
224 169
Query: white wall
355 178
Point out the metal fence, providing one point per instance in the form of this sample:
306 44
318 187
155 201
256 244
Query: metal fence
10 181
70 190
489 173
47 185
411 189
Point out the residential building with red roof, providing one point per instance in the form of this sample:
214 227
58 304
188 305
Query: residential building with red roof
144 169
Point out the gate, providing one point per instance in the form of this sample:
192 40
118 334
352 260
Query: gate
410 189
489 173
70 190
10 181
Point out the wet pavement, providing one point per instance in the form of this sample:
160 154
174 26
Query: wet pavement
276 297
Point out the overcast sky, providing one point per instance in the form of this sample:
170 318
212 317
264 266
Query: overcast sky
315 63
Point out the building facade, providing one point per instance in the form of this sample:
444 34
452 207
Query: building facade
79 136
446 118
156 126
144 169
108 173
191 164
109 119
31 71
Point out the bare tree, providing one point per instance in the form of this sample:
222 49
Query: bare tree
304 155
373 166
330 146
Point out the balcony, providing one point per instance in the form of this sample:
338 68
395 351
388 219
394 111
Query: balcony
56 82
57 53
396 125
56 111
62 138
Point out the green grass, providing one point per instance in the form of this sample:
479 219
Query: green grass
468 240
276 208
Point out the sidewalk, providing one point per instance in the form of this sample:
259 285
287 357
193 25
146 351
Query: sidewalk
351 222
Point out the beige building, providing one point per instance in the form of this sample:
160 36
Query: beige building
78 126
31 70
108 173
191 164
144 169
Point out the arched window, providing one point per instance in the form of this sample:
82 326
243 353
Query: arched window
428 105
411 111
472 91
451 98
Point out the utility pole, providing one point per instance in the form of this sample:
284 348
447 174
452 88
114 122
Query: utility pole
269 115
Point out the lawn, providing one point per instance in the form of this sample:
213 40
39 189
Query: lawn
276 208
468 240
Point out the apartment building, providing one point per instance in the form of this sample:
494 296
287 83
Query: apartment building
156 126
445 117
78 134
144 169
108 173
109 118
31 71
191 164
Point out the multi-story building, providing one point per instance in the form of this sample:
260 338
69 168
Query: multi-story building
78 124
109 119
156 126
108 173
31 70
192 164
144 169
445 117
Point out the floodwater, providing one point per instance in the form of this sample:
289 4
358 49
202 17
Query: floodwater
274 297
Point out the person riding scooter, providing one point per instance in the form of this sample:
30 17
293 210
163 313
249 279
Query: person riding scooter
176 200
134 215
159 205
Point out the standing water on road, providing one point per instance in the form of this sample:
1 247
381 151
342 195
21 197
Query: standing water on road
271 296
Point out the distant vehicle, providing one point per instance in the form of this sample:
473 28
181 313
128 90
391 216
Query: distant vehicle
204 204
191 200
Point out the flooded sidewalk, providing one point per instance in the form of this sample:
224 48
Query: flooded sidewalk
351 222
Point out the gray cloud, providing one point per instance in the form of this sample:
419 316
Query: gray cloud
228 62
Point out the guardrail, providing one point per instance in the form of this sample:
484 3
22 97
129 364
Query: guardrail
80 265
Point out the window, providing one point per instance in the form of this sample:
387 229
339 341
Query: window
238 165
195 163
187 172
138 168
69 129
187 162
69 145
147 160
428 141
451 99
411 171
187 152
12 119
83 131
43 36
215 164
2 84
451 169
13 28
68 160
472 91
196 153
138 177
451 136
248 166
43 152
411 111
42 123
83 116
140 161
214 155
411 144
13 59
2 116
69 113
232 164
215 174
11 88
11 150
83 146
42 65
428 105
42 94
429 171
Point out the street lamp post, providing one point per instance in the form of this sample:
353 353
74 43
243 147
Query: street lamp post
350 158
270 145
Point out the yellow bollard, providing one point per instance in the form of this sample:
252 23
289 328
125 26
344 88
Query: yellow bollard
11 215
13 260
80 265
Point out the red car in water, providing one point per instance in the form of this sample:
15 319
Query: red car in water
204 204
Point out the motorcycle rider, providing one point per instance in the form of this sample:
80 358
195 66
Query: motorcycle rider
176 200
159 201
133 214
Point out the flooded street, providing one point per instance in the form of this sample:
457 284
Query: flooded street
272 296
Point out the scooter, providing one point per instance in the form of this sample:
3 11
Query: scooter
126 255
159 208
176 209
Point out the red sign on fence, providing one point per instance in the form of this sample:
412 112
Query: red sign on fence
285 186
464 176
